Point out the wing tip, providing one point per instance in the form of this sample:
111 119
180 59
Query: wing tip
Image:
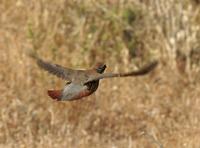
149 67
153 64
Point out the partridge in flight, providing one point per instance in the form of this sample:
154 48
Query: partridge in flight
82 83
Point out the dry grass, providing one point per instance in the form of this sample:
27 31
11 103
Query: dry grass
158 110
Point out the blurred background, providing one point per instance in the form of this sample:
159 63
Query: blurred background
158 110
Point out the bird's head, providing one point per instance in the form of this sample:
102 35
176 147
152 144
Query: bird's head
99 67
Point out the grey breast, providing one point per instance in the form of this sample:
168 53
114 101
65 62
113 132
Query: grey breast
72 90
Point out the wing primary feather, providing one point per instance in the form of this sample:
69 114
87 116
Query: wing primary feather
52 68
144 70
59 71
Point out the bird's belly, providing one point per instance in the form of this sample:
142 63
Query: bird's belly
74 92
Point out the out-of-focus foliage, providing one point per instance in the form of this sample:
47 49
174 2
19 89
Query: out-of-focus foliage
161 109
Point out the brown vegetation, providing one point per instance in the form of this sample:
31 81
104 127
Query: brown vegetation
158 110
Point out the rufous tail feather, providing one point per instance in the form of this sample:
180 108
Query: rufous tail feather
55 94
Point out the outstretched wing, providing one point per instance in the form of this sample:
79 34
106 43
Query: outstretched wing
144 70
59 71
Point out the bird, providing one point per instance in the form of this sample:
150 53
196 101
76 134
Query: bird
82 83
